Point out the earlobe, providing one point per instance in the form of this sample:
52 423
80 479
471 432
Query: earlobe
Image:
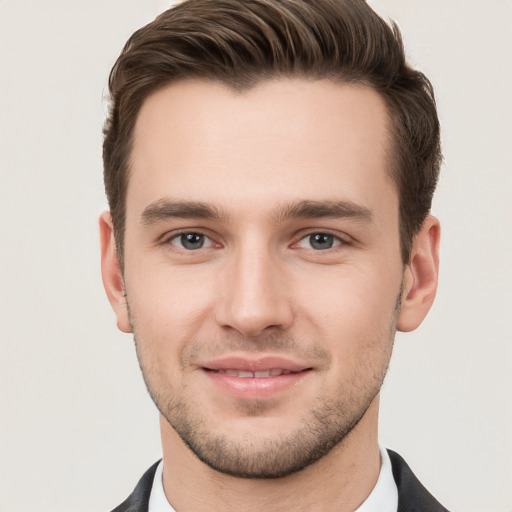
111 273
420 277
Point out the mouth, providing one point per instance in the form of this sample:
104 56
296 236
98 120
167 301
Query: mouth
255 379
261 374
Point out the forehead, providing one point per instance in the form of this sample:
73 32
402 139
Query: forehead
284 139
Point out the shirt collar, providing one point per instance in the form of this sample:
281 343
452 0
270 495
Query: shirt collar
383 498
157 500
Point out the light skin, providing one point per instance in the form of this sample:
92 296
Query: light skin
263 283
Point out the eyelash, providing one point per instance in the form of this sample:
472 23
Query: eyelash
176 236
338 241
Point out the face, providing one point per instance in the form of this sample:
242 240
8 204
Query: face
262 266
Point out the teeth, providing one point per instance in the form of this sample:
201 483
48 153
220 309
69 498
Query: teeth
258 375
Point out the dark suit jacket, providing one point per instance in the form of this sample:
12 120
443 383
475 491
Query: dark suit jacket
412 496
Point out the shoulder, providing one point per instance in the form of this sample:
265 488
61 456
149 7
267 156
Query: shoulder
412 495
139 498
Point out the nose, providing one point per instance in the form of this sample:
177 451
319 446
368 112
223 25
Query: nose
254 295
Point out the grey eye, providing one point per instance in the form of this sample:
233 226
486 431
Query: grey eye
319 241
191 241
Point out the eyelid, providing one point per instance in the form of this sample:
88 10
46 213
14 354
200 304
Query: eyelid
342 238
167 238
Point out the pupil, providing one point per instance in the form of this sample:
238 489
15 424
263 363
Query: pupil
321 241
192 240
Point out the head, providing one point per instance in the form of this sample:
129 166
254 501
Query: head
269 167
241 44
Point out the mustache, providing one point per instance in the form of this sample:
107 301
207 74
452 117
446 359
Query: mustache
274 343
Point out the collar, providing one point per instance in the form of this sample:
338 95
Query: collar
157 500
383 498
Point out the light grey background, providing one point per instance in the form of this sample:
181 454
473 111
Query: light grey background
76 427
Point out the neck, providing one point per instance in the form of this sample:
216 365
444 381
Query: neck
341 480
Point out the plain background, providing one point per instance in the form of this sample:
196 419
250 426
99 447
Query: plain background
77 428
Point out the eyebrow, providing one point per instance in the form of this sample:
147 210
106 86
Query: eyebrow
165 209
308 209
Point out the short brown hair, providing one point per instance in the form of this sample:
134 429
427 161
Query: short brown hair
241 43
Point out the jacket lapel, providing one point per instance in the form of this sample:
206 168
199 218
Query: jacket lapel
412 496
139 499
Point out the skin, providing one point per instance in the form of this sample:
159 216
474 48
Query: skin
253 176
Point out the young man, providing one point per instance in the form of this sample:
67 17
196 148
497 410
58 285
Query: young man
270 167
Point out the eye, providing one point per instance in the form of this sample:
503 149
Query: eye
191 241
319 241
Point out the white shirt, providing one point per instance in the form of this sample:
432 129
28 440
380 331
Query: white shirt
383 498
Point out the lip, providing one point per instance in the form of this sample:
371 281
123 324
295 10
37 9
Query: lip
254 365
254 388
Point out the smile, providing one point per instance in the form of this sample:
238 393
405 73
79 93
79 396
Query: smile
243 374
255 379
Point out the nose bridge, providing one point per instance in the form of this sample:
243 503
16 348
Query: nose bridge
254 295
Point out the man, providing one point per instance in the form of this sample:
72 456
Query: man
270 167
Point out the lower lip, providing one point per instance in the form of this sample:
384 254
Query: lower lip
252 388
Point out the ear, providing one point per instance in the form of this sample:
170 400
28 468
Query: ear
420 277
112 274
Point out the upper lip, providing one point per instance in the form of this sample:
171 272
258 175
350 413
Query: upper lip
254 365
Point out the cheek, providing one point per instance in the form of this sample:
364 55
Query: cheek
353 311
352 291
167 305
